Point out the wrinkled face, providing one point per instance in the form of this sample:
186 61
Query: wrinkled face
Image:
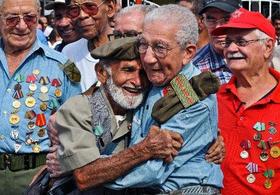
214 18
127 83
64 25
19 19
161 56
244 51
88 23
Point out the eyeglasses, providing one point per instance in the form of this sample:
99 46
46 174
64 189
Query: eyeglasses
118 34
13 20
73 11
160 49
210 22
240 42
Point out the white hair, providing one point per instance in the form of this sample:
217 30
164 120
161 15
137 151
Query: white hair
180 16
135 8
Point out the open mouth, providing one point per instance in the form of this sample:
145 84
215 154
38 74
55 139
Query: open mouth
235 56
134 90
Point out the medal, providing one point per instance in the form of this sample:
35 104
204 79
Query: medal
28 140
252 168
14 119
257 136
259 126
251 178
36 148
14 134
58 93
17 147
41 132
30 101
16 104
44 89
44 97
36 71
264 156
269 174
272 130
245 145
40 120
244 154
32 87
275 152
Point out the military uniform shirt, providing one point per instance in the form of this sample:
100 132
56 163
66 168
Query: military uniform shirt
36 90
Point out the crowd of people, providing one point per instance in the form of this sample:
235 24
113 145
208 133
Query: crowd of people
179 99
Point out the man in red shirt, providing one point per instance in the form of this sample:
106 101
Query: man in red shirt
249 107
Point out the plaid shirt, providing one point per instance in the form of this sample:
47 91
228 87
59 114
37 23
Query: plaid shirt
206 59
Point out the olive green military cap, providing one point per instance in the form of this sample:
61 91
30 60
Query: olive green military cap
118 49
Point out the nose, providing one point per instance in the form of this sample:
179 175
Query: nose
21 24
148 57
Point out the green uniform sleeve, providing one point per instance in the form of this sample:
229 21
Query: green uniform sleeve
77 142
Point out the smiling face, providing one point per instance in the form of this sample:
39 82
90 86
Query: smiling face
125 82
91 26
22 35
250 58
64 25
161 36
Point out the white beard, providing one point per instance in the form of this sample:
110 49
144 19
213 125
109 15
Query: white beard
117 94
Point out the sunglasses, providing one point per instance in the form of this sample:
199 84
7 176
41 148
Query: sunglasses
73 11
13 20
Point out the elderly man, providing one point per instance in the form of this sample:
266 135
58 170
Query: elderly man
100 122
249 111
166 60
62 23
35 82
91 19
210 57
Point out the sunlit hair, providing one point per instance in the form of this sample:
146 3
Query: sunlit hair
183 18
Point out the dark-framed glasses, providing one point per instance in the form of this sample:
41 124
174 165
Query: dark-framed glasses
91 8
160 49
239 42
118 34
210 22
12 20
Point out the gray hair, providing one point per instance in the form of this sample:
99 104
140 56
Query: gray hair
37 2
180 16
261 35
135 8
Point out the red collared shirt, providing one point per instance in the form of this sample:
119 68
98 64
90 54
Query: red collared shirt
237 127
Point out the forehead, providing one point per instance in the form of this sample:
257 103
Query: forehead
214 12
159 30
129 63
236 33
127 22
83 1
19 6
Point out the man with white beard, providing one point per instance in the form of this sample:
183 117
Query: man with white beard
94 129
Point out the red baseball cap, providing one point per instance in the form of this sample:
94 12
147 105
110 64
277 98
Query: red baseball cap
244 19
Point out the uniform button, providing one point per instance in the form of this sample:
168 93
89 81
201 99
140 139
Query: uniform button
9 90
5 112
241 118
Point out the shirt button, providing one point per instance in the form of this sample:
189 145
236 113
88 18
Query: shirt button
241 118
9 90
5 112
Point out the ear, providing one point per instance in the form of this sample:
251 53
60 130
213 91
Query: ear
102 74
189 53
111 8
269 47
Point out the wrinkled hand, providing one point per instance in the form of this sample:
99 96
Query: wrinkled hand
52 132
217 151
52 162
163 144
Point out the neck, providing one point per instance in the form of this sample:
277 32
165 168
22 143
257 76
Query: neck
203 39
253 86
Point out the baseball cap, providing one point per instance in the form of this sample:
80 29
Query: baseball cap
54 3
225 5
118 49
244 19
